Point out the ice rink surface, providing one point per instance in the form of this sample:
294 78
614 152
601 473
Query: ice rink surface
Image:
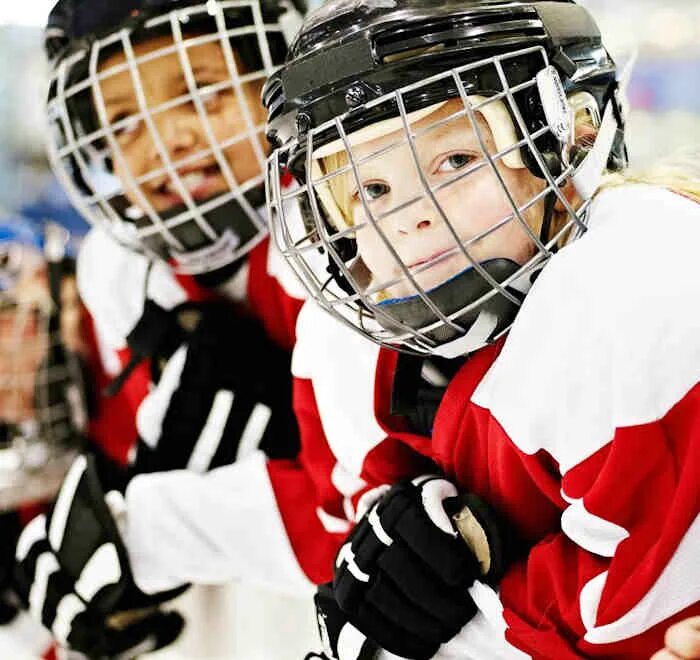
242 622
235 622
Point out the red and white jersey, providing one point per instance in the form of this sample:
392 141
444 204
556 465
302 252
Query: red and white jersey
114 283
344 450
583 429
276 522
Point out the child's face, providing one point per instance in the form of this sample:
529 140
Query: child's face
24 339
180 128
473 204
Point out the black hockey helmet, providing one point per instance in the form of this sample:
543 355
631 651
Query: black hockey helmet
197 233
359 69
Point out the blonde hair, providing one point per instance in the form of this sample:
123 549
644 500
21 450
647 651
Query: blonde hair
679 172
338 186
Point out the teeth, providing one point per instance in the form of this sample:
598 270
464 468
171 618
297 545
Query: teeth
191 181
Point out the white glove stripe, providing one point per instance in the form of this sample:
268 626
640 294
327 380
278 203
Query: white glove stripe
254 430
369 499
46 565
211 434
151 412
433 494
64 503
346 554
350 641
69 607
377 528
34 532
103 568
423 478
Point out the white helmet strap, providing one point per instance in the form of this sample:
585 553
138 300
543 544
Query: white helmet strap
589 173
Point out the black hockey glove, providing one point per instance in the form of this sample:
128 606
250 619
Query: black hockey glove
340 639
402 576
223 393
72 573
10 528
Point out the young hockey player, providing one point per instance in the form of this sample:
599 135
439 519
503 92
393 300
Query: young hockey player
167 93
156 115
449 157
49 393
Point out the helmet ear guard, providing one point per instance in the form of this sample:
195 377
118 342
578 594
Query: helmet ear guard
527 94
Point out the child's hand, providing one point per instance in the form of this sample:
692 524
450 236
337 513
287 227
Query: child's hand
682 641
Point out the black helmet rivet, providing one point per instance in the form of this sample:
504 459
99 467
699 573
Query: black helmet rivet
303 123
355 96
273 138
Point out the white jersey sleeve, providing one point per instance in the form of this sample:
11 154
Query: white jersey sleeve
208 529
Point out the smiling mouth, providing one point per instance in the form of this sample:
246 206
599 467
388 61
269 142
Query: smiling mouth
200 183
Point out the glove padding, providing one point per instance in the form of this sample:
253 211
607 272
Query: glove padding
340 639
402 576
225 391
73 574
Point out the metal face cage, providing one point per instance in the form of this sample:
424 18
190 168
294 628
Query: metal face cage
418 258
42 396
177 172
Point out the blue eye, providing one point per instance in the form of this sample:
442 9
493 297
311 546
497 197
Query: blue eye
376 190
455 162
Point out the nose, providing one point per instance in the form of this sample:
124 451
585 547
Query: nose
417 217
420 225
179 132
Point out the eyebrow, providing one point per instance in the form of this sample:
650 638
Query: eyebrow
122 99
117 99
206 67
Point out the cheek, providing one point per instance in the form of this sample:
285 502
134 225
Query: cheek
132 164
374 252
230 120
242 155
475 204
243 161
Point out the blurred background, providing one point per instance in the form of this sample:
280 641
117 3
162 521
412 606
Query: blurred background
664 93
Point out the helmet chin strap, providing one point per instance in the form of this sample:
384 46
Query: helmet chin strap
236 233
554 164
480 334
469 299
487 326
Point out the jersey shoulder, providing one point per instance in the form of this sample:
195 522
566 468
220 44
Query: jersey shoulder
609 335
113 282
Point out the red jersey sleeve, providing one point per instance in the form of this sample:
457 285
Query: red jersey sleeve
344 449
625 565
269 296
